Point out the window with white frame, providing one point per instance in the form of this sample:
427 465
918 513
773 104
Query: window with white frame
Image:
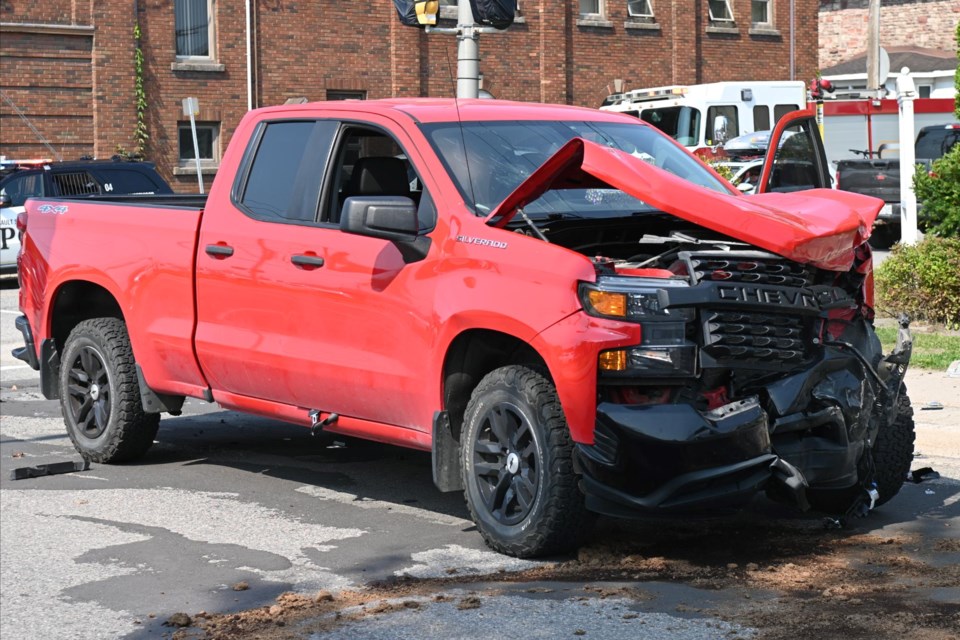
591 8
208 144
193 26
761 12
639 9
720 10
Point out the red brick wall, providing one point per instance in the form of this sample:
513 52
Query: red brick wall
222 94
49 78
307 48
930 24
114 113
53 12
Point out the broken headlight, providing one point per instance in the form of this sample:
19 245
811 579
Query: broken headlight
664 349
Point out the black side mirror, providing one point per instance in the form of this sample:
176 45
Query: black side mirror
5 201
392 218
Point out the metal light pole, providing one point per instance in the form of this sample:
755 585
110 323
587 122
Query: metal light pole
468 49
906 94
468 53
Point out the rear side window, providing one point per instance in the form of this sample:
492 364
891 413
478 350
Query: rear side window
127 181
75 183
283 183
19 188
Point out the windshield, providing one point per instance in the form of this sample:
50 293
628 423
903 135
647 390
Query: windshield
680 123
503 154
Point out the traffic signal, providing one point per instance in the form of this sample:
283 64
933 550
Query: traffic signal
417 13
818 87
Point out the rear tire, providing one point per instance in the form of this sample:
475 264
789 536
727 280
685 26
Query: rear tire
100 394
517 461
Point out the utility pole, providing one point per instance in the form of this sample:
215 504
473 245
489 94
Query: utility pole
873 47
468 53
468 49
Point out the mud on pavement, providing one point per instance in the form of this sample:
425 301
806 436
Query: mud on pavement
781 579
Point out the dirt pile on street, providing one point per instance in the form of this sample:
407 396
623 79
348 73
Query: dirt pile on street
790 580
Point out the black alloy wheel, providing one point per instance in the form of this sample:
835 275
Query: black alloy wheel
505 463
516 455
88 391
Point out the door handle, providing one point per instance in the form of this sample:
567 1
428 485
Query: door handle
219 250
307 261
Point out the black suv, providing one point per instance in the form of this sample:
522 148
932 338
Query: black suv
82 177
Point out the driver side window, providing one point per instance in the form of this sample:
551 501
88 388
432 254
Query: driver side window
369 162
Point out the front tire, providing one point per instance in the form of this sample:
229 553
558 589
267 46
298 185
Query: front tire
517 460
100 394
893 450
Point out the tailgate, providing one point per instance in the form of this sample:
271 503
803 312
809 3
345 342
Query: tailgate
877 178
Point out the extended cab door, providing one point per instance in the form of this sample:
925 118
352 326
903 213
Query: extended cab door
293 310
796 159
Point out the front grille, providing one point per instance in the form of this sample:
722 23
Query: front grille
760 312
751 267
738 338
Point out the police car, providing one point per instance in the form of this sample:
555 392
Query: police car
22 179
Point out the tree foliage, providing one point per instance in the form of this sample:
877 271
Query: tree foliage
939 190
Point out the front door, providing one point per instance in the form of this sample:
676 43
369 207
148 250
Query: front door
795 159
291 309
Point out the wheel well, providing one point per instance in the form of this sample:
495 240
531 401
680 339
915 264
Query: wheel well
78 301
472 355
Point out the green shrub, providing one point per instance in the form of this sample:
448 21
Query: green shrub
922 280
940 194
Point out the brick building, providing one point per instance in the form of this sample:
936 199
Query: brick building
923 24
69 65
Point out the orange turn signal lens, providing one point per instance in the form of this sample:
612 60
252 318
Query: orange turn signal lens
608 303
613 360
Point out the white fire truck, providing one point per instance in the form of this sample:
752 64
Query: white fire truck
704 116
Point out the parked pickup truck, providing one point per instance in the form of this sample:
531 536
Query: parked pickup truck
570 311
880 177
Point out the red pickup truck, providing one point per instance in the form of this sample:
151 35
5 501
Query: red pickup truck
568 309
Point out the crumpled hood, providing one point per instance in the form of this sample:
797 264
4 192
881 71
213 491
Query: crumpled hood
819 226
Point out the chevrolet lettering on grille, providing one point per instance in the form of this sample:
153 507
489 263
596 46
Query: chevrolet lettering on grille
788 298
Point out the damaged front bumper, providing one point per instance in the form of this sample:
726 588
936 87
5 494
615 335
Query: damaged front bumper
811 429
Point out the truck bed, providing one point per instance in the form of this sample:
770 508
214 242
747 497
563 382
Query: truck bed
139 249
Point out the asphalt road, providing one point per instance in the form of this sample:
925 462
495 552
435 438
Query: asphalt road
223 499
